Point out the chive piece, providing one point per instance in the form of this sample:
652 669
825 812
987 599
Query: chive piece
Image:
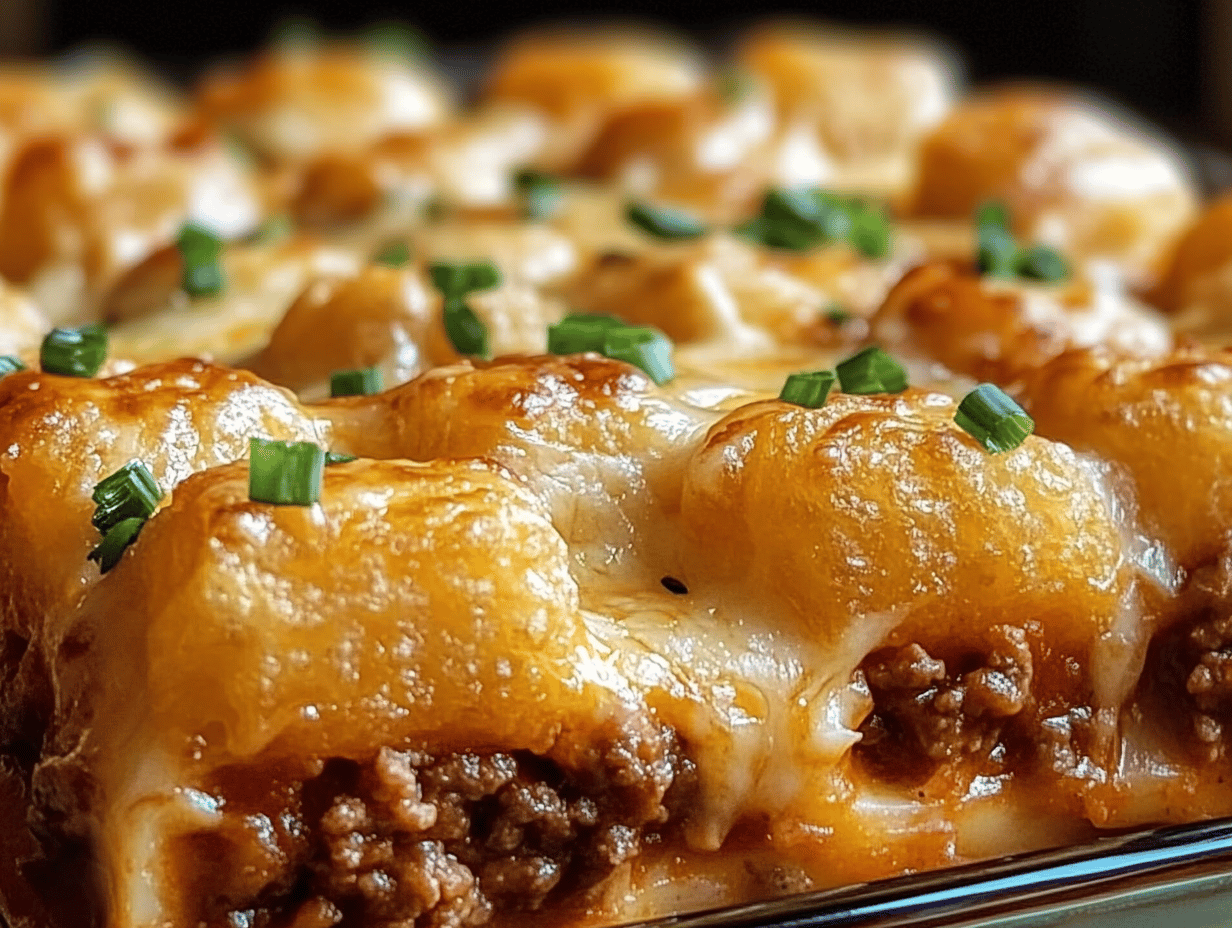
996 248
1039 262
130 493
993 419
337 457
808 388
540 194
465 329
837 314
200 250
363 382
10 365
870 231
460 278
871 371
664 222
642 346
393 254
74 352
580 332
285 473
109 551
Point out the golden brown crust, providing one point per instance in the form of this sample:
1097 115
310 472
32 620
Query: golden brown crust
880 509
59 436
1165 421
1073 175
1001 331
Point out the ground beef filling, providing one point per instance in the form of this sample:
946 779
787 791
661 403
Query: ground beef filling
1191 666
412 839
928 712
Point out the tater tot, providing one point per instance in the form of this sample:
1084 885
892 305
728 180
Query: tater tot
1075 176
1167 421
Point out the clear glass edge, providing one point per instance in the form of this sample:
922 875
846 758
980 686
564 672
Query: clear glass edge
1173 866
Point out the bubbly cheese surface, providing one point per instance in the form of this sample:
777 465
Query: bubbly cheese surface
565 635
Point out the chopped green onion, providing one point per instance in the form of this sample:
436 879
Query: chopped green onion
803 218
461 278
580 332
993 213
808 388
130 493
998 254
337 457
1039 262
363 382
540 194
993 419
837 314
644 347
10 365
74 352
665 222
285 473
109 551
871 371
465 329
200 250
393 254
870 231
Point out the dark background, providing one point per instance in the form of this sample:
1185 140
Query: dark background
1155 55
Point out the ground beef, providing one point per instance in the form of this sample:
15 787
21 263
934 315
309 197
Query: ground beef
927 712
413 840
1189 677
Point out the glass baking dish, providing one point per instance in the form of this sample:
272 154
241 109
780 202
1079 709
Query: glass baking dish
1175 877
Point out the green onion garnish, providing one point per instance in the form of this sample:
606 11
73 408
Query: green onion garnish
870 231
837 314
285 473
363 382
1039 262
871 371
540 194
580 332
10 365
393 254
337 457
802 218
74 352
465 329
998 254
461 278
200 250
642 346
109 551
130 493
808 388
993 419
996 249
664 221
